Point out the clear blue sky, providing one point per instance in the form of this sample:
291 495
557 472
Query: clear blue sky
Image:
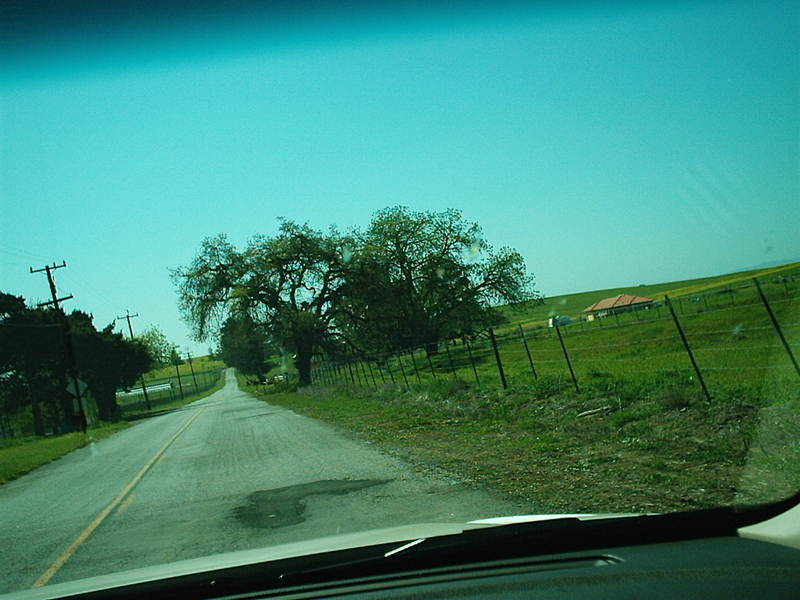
611 147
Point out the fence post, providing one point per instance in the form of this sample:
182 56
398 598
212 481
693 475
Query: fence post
380 371
450 358
414 362
430 363
566 356
777 326
350 368
402 370
389 367
497 359
363 372
688 349
372 374
472 361
180 385
528 352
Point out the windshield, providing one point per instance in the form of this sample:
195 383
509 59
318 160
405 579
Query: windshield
278 272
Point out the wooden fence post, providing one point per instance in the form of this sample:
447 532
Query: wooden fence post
402 370
430 364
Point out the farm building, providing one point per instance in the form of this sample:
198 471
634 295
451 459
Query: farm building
617 304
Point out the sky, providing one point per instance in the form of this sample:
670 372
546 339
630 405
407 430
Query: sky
610 144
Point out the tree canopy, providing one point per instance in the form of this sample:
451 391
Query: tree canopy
425 276
288 283
158 345
244 345
34 365
410 279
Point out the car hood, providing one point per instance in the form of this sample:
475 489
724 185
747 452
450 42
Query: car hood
401 535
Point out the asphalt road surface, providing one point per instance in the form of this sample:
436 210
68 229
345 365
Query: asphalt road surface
226 473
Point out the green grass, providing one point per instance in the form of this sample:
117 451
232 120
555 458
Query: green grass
200 364
22 455
532 314
735 346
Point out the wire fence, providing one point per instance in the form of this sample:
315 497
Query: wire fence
743 337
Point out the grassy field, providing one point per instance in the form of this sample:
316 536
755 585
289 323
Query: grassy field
531 314
641 435
200 364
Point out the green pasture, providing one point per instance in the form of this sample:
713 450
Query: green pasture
531 314
734 343
199 364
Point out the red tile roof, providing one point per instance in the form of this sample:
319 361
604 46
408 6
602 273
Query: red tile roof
617 302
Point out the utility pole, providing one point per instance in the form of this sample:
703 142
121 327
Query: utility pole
73 365
128 316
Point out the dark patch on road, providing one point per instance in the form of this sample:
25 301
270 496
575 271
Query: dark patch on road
270 509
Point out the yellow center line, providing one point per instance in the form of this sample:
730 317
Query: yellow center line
53 569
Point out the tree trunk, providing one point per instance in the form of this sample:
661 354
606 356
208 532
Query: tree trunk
432 348
107 407
38 425
303 364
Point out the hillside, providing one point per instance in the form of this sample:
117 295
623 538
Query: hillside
530 314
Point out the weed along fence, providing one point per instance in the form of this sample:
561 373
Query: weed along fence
742 340
167 390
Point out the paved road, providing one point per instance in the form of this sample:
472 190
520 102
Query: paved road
225 473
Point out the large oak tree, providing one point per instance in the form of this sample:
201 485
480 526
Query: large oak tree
288 283
424 277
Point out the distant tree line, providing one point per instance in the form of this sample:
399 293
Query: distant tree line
410 279
34 366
